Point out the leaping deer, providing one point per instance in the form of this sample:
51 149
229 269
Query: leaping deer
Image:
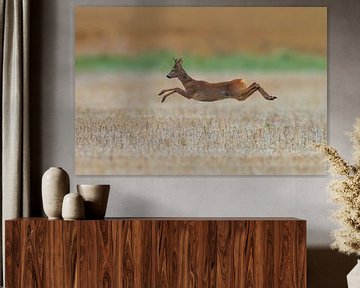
205 91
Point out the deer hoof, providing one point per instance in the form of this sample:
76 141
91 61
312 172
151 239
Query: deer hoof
271 98
162 92
163 99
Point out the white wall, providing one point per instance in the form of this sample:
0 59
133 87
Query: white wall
303 197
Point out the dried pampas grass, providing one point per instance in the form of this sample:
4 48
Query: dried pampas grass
345 192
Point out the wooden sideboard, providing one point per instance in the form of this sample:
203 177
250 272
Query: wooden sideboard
156 252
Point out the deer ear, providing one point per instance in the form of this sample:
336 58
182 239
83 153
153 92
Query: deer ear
175 60
180 61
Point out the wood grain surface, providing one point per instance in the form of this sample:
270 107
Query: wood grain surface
159 252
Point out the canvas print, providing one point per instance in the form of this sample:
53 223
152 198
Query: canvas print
200 90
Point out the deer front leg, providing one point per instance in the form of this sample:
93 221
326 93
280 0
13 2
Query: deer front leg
174 90
166 90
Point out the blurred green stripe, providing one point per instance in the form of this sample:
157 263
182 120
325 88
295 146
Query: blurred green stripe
162 61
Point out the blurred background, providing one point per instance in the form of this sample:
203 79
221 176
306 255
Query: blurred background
210 38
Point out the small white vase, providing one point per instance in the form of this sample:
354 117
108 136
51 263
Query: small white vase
73 207
96 198
55 185
353 278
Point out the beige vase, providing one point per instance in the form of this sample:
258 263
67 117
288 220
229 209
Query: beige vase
73 207
96 198
55 185
353 278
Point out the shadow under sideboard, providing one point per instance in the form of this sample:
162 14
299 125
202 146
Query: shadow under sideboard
328 268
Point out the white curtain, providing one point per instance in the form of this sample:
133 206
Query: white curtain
14 27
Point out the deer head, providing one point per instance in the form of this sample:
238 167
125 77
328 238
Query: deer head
177 69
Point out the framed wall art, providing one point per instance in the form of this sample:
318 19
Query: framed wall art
200 90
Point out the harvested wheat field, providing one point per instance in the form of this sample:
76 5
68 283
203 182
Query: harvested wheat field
121 127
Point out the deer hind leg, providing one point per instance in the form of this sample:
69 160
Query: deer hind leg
247 92
265 94
174 90
252 89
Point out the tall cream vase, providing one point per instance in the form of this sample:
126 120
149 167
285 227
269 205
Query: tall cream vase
55 185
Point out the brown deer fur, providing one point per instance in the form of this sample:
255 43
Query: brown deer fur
205 91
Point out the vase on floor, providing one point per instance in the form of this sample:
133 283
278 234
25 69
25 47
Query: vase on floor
353 278
55 185
96 198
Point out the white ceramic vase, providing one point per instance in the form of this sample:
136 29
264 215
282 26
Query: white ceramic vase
353 278
55 185
96 198
73 207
